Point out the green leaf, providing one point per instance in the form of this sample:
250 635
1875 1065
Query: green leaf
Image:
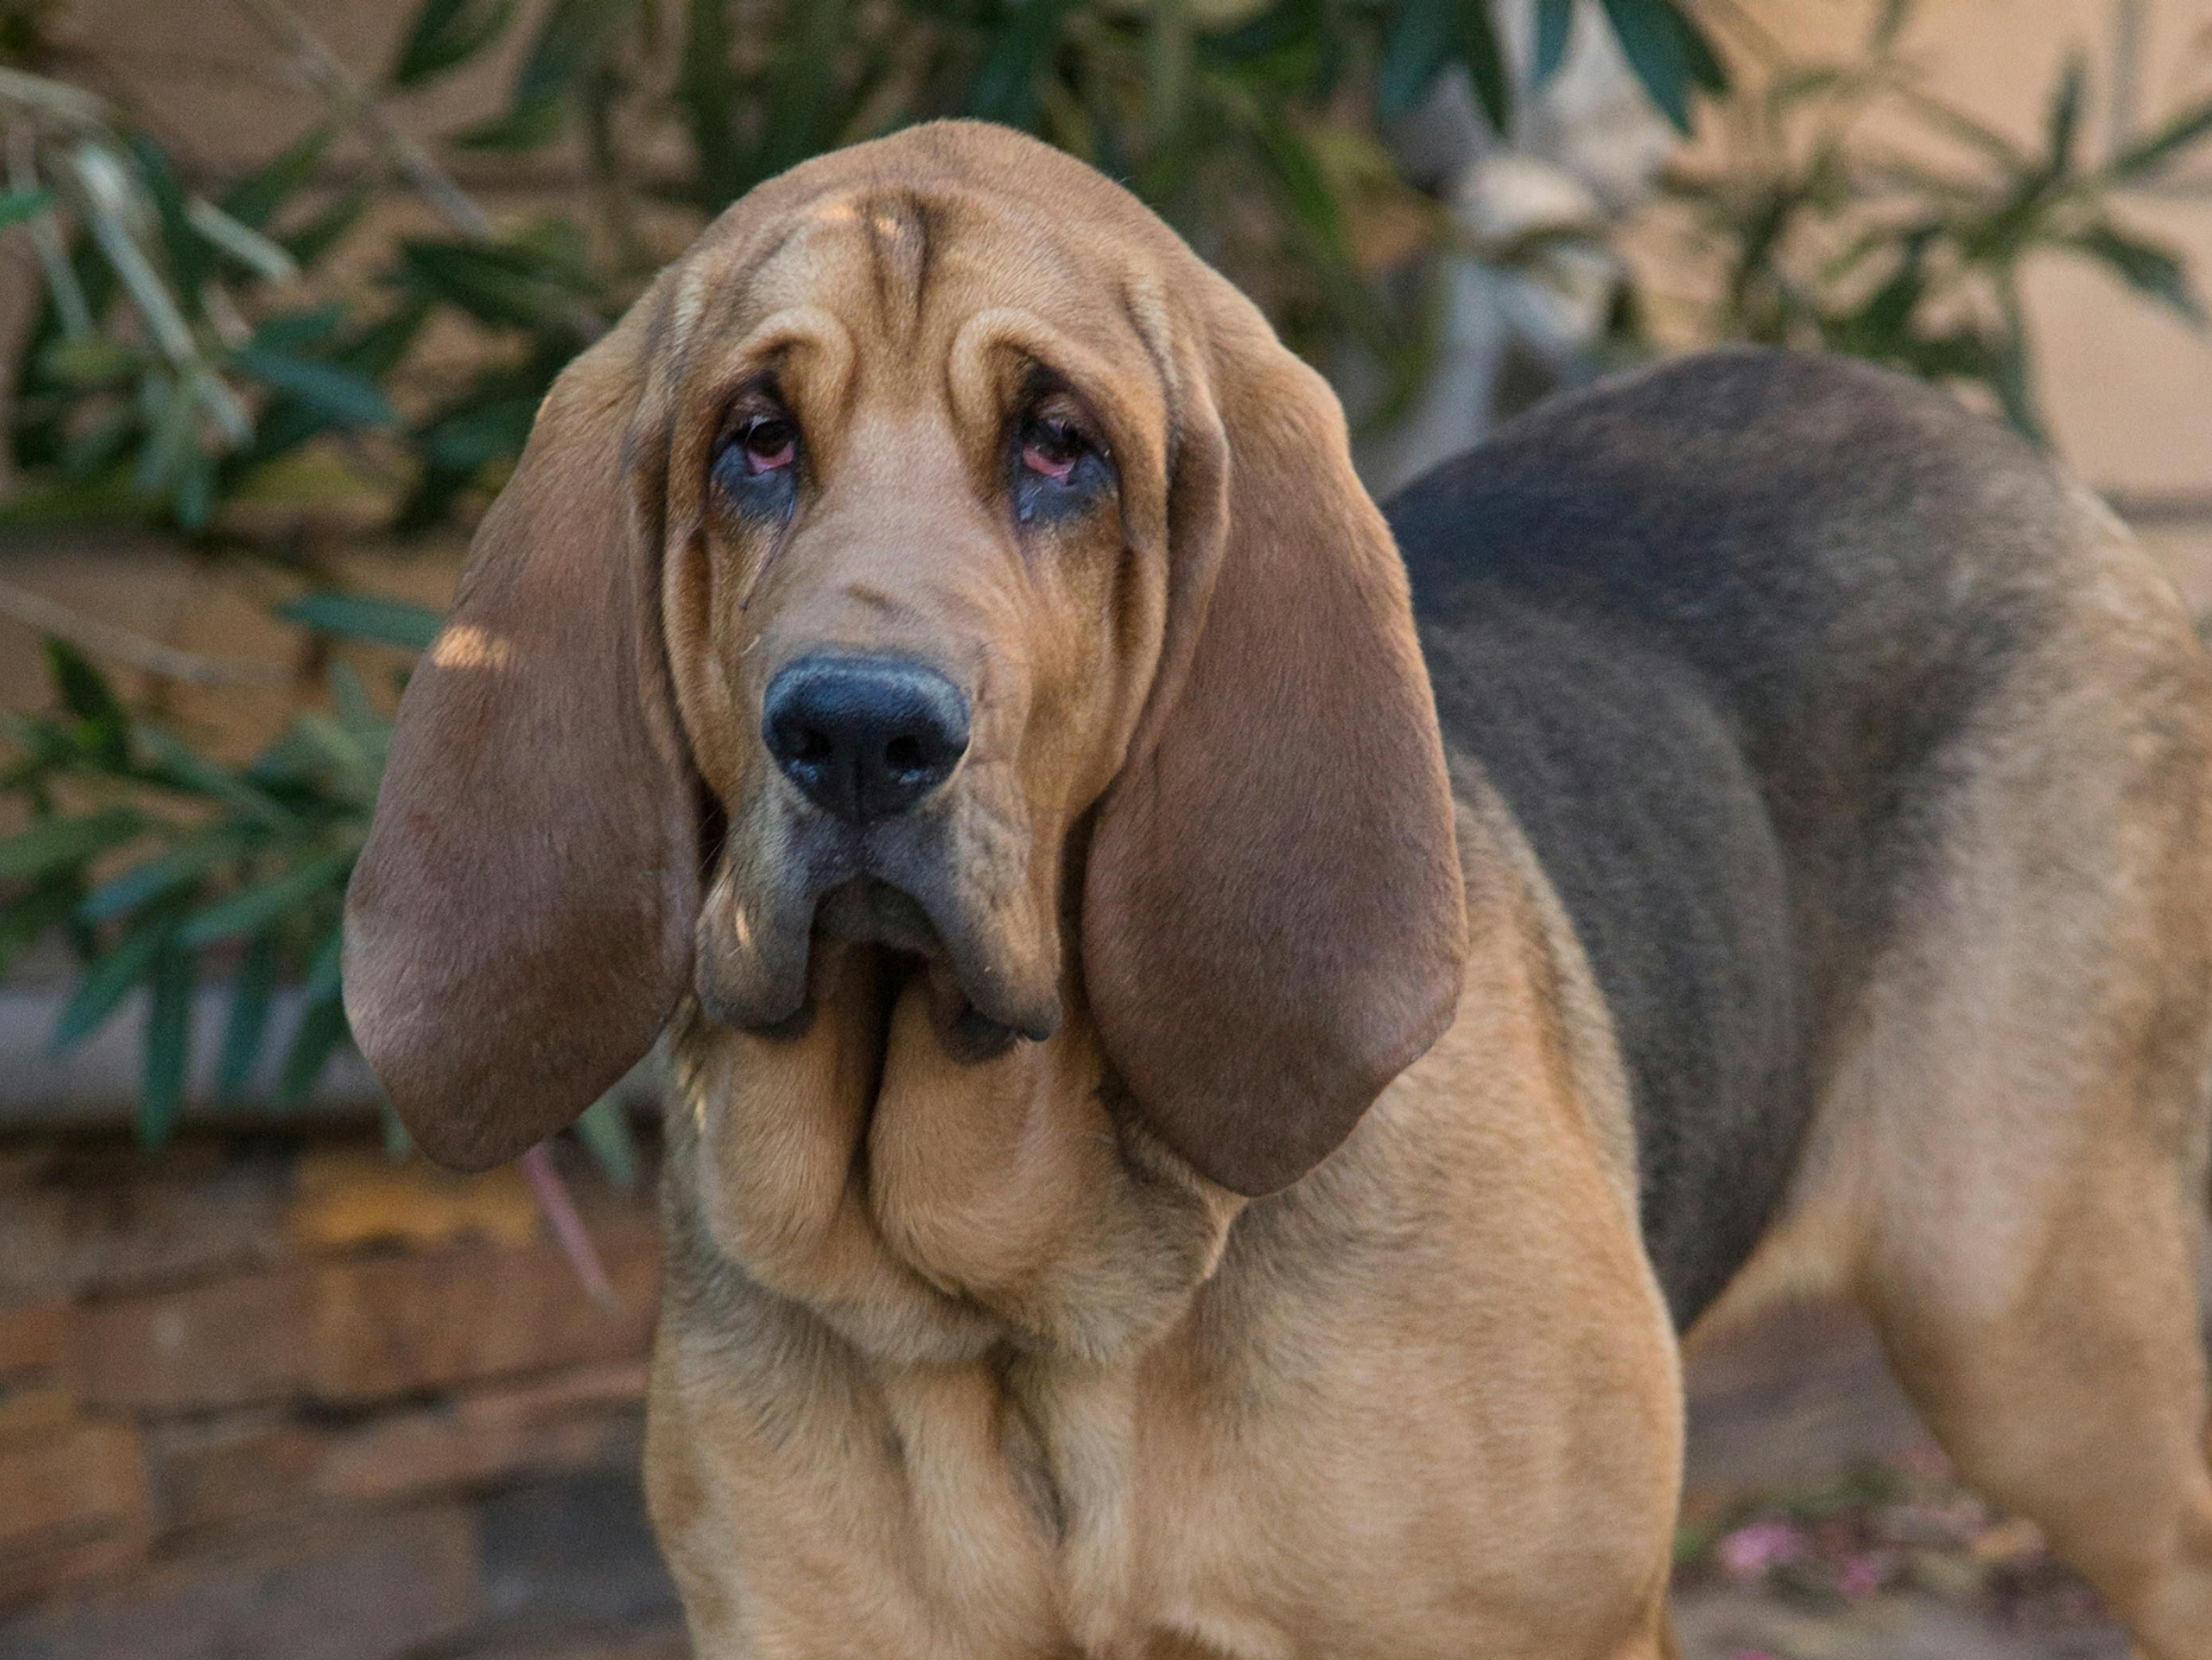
97 445
445 34
1416 46
603 1129
1668 53
1885 320
54 844
464 439
2013 379
1486 62
382 345
707 89
109 979
2160 144
1555 21
350 770
25 919
2063 122
398 1144
328 228
322 1027
322 983
103 729
186 770
494 282
191 494
257 198
168 1045
270 261
1705 66
250 989
158 877
331 389
290 331
525 127
1005 87
17 205
357 715
253 909
2152 271
1169 54
365 617
91 363
573 39
1966 130
801 113
1303 189
190 253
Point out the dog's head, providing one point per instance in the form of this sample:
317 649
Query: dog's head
940 556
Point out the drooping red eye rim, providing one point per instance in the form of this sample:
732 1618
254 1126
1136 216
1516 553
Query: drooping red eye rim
770 443
1052 447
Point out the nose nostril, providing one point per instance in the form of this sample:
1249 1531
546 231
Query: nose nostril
863 739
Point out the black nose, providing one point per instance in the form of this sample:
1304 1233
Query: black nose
864 736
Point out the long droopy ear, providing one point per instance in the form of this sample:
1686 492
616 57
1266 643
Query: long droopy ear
1273 924
519 924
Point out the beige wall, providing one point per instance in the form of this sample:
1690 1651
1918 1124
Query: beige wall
2128 384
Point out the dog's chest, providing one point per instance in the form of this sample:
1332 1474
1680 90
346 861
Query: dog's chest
1063 1470
987 1510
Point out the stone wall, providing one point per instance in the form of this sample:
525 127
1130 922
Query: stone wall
263 1399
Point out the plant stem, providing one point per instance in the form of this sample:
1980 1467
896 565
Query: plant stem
105 640
322 68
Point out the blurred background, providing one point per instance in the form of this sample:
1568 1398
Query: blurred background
280 284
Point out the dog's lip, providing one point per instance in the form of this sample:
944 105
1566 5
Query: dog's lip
870 910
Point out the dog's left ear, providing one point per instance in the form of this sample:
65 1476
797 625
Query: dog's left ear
1274 926
519 924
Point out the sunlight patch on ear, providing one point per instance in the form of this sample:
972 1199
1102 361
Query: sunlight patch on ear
465 646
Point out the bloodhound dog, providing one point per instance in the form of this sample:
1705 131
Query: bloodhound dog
1221 1035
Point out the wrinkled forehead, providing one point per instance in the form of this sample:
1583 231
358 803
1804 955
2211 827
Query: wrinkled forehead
907 285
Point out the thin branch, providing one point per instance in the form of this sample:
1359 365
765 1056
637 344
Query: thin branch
105 640
322 67
356 102
575 1241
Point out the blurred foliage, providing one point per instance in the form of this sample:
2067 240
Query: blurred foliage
165 368
167 870
1832 227
177 360
159 862
174 362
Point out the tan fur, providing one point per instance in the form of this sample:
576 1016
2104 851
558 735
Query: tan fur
977 1353
1107 1435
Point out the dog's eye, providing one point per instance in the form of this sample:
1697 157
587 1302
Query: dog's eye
756 460
1052 448
770 443
1060 467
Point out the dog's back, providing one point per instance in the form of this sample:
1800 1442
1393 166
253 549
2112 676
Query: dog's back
1716 632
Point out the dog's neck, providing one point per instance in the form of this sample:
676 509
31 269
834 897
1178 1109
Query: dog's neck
931 1209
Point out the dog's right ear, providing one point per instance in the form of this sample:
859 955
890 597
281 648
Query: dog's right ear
519 927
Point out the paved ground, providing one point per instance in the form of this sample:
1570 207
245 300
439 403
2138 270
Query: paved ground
1821 1523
